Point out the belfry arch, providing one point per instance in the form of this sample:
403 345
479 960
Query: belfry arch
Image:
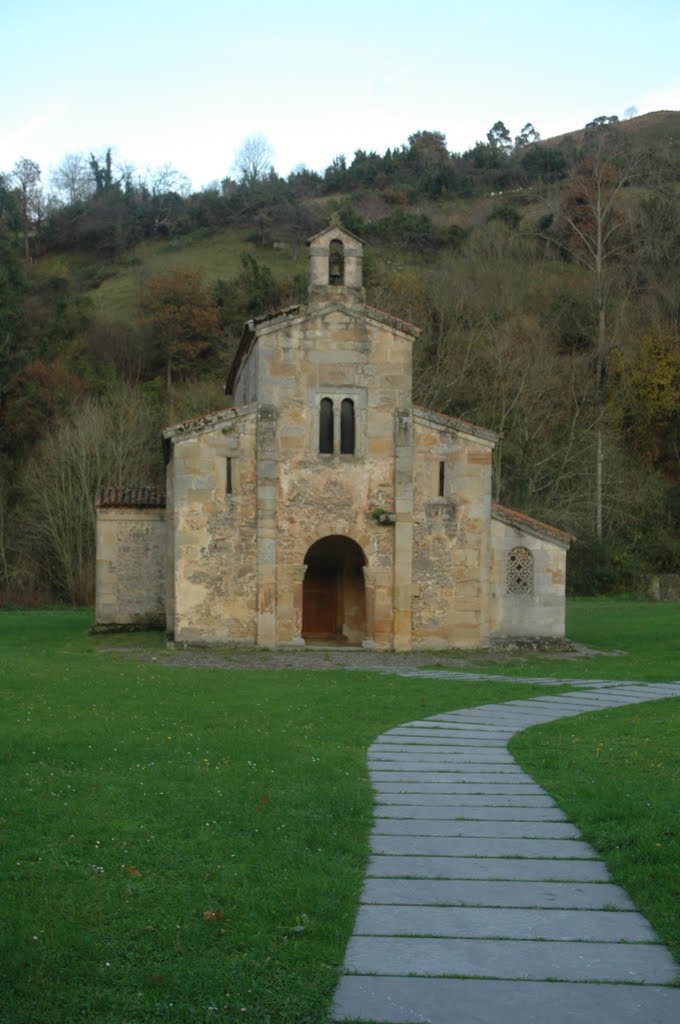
334 592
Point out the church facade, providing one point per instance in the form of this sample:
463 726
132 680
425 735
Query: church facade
324 506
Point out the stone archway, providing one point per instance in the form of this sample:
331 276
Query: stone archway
334 592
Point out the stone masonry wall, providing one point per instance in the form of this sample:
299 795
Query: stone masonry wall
130 567
214 580
540 612
450 606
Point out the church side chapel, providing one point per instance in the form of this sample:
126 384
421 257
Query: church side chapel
324 507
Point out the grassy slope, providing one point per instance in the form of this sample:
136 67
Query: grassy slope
214 255
217 255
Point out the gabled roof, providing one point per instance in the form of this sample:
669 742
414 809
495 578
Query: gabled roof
528 524
292 312
335 228
130 497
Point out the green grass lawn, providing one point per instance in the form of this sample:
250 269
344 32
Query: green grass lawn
638 639
183 844
616 774
189 844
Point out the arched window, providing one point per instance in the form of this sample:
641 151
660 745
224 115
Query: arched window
336 262
326 426
347 427
519 572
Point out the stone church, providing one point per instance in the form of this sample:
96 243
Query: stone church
323 506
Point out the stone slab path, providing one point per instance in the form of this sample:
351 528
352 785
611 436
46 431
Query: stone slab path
482 904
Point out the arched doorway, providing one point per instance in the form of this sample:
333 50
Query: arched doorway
333 592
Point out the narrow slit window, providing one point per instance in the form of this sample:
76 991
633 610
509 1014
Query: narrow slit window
336 262
326 426
442 478
230 478
347 427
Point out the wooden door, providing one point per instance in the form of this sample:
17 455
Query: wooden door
320 603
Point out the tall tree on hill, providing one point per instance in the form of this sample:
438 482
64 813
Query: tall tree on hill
26 177
499 138
73 179
592 228
103 173
181 319
253 161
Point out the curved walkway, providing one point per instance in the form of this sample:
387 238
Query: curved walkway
482 904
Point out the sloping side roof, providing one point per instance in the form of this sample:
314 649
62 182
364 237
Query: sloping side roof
208 421
130 497
247 338
392 321
440 419
527 524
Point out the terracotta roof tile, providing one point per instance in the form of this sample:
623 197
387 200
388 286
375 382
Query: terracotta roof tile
522 519
130 497
457 422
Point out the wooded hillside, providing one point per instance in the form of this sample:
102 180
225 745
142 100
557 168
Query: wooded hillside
544 276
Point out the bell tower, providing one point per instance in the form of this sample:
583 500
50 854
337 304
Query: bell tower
336 267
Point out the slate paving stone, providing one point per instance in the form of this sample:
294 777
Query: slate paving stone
539 869
501 829
661 689
593 700
449 768
467 1001
450 725
464 738
505 923
497 778
426 760
465 892
483 788
468 800
490 958
511 710
448 846
434 750
459 813
453 728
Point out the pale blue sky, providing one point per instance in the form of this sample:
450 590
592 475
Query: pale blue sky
163 82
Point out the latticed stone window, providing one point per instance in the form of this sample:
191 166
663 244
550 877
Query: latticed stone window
519 572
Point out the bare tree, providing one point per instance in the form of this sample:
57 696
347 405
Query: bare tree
167 179
110 441
253 160
73 180
593 229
